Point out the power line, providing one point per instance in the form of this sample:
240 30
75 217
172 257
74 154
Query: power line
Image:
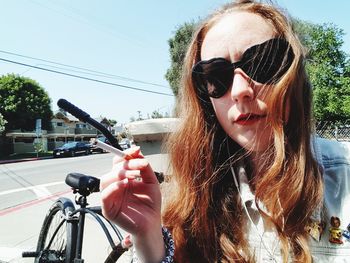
99 73
86 21
85 78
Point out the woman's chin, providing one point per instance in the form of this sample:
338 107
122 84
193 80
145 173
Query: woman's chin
252 145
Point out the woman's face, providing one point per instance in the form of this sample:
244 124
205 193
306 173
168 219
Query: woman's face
242 110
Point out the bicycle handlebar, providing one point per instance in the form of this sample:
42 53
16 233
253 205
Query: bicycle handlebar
85 117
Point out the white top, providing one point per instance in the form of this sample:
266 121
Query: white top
334 158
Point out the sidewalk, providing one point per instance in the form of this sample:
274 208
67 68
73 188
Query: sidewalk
24 159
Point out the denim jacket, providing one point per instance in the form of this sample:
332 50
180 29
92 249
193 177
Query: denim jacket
334 160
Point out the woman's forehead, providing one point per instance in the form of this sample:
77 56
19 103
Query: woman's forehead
232 34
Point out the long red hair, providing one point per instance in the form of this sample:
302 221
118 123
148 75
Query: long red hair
204 210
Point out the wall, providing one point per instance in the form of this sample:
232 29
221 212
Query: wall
150 134
22 147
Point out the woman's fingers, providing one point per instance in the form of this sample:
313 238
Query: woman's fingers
115 176
143 165
136 167
133 152
131 169
109 195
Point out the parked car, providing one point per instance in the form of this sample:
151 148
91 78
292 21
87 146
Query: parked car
125 143
72 149
93 148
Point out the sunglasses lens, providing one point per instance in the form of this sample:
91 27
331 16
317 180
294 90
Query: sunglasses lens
213 77
219 82
269 60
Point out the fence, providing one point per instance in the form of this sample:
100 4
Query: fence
334 130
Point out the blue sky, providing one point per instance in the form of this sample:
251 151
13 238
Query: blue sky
125 39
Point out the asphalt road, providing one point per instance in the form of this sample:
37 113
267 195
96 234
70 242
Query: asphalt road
28 189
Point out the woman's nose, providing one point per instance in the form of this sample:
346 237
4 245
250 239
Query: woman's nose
242 87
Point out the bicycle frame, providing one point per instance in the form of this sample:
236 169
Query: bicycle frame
77 219
96 213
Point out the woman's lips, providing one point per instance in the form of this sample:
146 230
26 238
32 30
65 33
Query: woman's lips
249 119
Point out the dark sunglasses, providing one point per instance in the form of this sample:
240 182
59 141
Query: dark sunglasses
265 63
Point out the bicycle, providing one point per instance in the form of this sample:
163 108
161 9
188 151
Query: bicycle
61 235
64 243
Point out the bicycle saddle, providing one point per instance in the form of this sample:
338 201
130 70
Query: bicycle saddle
83 184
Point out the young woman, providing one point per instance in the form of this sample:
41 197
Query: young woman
249 183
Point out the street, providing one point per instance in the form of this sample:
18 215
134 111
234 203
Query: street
27 181
28 189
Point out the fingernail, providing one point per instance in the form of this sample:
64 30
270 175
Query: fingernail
142 162
132 174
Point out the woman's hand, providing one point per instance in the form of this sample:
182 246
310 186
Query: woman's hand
130 193
131 198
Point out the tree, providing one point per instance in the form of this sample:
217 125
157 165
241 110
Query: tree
22 101
104 121
2 123
112 122
328 69
156 115
327 65
178 46
108 123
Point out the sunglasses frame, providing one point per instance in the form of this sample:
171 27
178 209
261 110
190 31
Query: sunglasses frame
272 65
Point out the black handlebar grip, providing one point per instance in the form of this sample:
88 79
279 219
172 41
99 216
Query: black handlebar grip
30 254
85 117
74 110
